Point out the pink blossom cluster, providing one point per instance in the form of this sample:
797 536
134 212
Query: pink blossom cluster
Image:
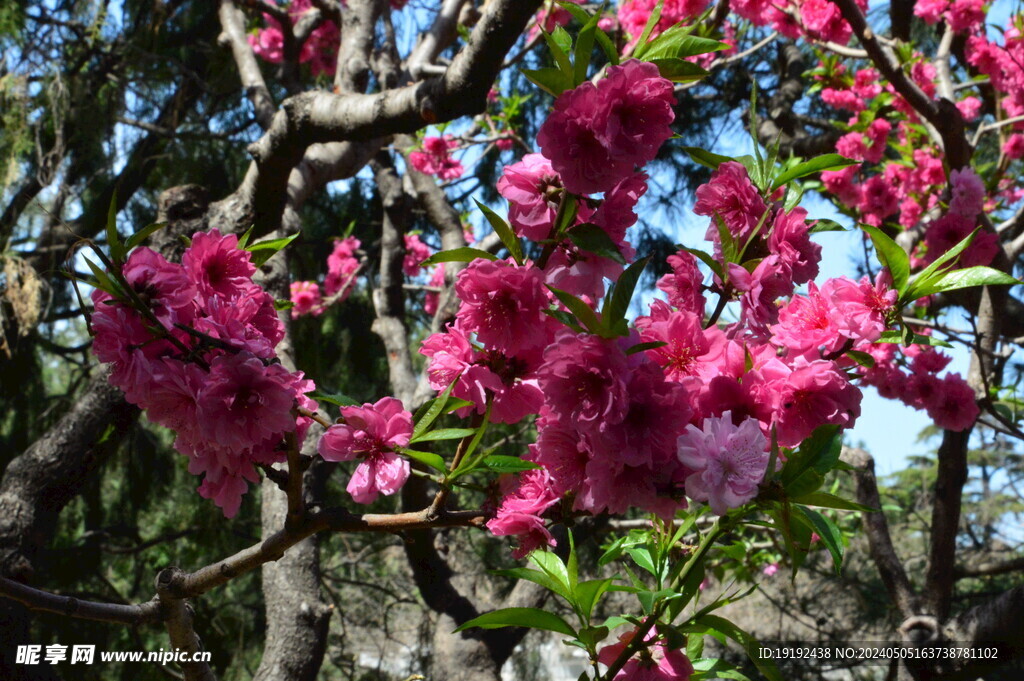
963 16
309 298
1004 66
949 400
415 253
320 50
435 158
815 20
373 434
204 364
598 134
520 512
967 199
633 15
660 663
550 16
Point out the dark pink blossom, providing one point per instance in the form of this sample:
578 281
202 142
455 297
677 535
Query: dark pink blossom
814 394
306 298
532 188
372 433
436 159
216 266
342 266
790 239
731 196
520 511
683 285
503 304
415 253
583 380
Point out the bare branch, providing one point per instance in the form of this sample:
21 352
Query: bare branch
178 618
44 601
233 23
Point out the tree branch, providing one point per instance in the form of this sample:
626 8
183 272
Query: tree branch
232 20
44 601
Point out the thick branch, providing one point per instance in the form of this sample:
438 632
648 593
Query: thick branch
952 475
178 617
326 117
883 553
232 20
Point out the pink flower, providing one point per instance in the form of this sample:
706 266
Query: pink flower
790 239
878 198
685 343
245 402
616 213
841 183
415 253
597 134
657 664
435 159
683 285
770 569
430 300
635 111
583 380
342 266
966 15
1014 146
173 399
970 108
967 193
823 19
163 286
503 303
216 266
532 187
814 394
563 454
862 308
867 146
520 511
930 10
306 298
730 195
807 324
952 406
728 461
371 432
949 230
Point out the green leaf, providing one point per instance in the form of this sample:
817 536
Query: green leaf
678 42
244 240
560 42
551 565
826 225
504 232
464 254
829 534
897 337
431 410
641 347
965 278
616 303
549 79
730 251
584 46
706 158
444 434
103 280
337 399
749 643
679 70
809 167
652 21
602 38
861 358
566 318
826 500
591 238
891 256
140 236
816 456
642 557
500 463
117 249
929 274
537 577
583 312
426 458
281 305
533 618
589 593
707 259
262 251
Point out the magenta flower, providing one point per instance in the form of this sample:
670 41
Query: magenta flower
953 405
683 285
163 286
503 304
245 402
415 253
728 461
520 511
216 266
658 664
583 380
862 308
372 433
635 111
790 239
808 323
730 195
342 266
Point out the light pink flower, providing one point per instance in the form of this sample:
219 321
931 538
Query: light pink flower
306 298
728 461
372 433
436 158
